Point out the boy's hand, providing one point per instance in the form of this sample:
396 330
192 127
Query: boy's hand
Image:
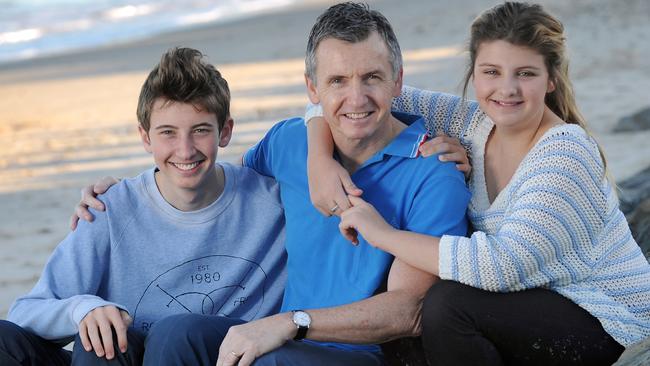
88 199
96 330
449 149
329 186
363 218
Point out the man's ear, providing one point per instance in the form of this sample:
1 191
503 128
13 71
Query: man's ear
144 136
398 83
226 132
312 93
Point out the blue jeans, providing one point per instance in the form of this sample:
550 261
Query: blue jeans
22 347
184 339
191 339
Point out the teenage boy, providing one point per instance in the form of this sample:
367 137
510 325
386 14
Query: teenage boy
189 236
334 312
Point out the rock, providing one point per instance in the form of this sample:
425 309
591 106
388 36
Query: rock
634 190
639 221
635 203
637 354
634 198
639 121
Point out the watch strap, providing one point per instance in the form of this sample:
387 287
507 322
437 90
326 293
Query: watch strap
302 333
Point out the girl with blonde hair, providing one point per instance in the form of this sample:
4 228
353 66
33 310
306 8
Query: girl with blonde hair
551 274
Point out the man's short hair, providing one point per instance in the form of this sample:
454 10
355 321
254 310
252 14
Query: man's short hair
351 22
183 76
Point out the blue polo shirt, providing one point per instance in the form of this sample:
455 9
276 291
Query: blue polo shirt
411 193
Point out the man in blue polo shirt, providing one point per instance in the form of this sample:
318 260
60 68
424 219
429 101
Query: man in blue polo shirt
354 71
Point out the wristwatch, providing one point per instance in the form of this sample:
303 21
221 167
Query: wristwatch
302 320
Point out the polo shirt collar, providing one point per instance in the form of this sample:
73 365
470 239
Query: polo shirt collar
406 144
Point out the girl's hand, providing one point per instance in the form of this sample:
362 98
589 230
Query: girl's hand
329 185
449 149
363 218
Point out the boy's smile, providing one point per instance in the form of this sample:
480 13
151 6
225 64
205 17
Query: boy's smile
184 141
186 167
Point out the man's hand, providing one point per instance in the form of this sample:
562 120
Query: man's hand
96 330
246 342
363 218
329 186
88 199
449 149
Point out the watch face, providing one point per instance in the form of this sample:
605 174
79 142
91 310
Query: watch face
301 318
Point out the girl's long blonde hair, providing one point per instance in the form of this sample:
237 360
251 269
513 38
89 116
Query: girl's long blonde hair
529 25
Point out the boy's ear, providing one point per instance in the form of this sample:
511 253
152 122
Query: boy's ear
144 136
226 132
311 90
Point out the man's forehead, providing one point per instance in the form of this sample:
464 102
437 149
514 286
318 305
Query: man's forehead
336 53
372 37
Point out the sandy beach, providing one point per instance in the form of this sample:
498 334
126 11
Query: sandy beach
67 120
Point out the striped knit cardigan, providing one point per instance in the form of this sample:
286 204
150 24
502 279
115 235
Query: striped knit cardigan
555 225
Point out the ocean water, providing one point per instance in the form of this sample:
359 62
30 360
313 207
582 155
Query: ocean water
33 28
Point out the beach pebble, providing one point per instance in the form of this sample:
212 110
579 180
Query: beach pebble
639 121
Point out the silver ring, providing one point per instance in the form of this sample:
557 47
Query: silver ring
333 209
235 355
